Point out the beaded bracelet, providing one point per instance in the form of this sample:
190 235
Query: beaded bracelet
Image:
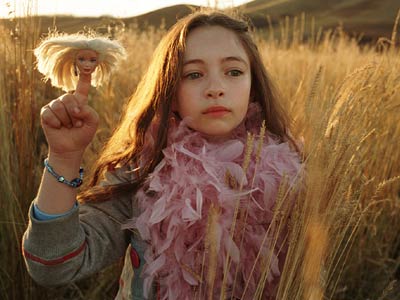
73 183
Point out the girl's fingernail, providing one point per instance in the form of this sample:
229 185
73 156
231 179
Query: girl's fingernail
78 124
76 110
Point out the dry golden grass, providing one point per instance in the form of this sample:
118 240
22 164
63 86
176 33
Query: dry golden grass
345 102
343 232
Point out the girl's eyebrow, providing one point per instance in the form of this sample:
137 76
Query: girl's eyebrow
234 58
225 59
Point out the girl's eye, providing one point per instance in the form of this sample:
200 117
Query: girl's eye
235 73
193 75
93 60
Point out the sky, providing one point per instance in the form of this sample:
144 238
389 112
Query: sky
115 8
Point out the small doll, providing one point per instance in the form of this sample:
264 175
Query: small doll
77 61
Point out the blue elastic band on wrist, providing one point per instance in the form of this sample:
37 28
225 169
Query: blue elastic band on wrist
42 216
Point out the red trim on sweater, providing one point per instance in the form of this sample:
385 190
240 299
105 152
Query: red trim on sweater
52 262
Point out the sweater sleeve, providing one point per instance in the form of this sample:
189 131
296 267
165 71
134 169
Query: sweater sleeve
68 248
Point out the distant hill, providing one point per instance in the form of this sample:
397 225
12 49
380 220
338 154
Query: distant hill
372 18
167 15
70 24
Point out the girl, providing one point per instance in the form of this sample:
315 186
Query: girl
194 201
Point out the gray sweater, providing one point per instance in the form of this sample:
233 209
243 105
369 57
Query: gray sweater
81 243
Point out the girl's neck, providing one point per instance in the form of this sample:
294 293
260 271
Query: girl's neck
215 139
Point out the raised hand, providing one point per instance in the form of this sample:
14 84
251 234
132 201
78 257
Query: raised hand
69 123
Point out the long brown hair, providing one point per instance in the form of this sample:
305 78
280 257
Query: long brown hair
149 108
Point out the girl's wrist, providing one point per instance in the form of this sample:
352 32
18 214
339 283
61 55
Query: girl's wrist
66 161
66 156
55 196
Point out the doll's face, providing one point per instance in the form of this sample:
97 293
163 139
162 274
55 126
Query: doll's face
86 61
214 90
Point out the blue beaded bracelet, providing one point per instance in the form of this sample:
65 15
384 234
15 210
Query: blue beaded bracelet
73 183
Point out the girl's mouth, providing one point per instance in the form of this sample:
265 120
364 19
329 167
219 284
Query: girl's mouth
216 111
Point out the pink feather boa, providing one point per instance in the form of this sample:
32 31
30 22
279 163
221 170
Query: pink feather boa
176 200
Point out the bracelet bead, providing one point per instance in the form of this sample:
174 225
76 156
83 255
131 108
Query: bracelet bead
77 182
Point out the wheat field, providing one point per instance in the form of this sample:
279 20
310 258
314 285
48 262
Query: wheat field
344 99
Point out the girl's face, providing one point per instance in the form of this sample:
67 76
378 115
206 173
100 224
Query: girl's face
86 61
215 86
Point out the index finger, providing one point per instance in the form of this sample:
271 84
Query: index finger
82 89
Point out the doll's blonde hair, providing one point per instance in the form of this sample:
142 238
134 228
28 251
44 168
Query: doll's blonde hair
56 58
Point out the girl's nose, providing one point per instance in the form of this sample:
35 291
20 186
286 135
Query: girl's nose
213 93
215 89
